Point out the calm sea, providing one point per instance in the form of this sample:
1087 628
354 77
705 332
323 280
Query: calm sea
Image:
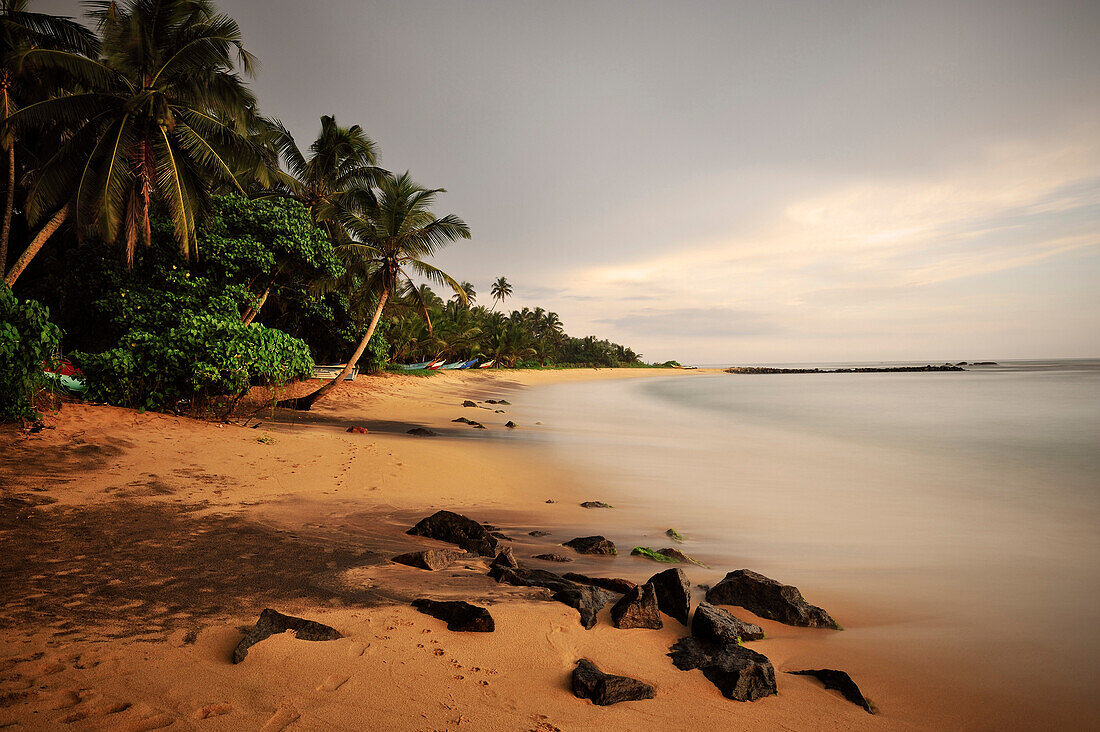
960 509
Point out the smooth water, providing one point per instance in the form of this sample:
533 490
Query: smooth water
961 505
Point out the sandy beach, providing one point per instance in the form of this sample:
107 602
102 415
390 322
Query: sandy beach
137 546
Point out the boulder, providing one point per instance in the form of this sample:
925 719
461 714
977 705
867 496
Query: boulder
475 425
272 622
768 599
421 432
433 559
497 401
715 625
462 420
674 535
679 556
357 430
455 528
596 504
587 600
538 532
622 586
673 593
551 557
637 609
459 616
501 535
739 673
510 424
589 682
842 682
592 545
505 558
468 403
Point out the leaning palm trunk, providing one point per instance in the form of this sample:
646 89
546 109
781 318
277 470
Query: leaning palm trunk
304 403
35 246
8 205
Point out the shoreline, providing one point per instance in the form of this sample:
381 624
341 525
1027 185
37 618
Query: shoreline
336 506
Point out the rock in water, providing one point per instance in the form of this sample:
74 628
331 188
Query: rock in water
272 622
433 559
592 545
637 609
622 586
455 528
422 432
506 558
842 682
588 601
596 504
538 532
510 424
673 593
462 420
357 430
738 672
552 557
675 535
603 689
468 403
715 625
459 616
768 599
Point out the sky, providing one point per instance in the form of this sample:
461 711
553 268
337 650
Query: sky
735 182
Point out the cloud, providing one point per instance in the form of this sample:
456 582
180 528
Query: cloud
694 322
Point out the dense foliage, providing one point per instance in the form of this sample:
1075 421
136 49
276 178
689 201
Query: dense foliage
27 340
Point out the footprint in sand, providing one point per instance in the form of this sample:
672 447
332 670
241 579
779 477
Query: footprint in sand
212 710
355 650
332 683
157 721
282 718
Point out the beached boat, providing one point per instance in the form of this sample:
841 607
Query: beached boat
421 365
470 364
487 364
331 371
67 376
452 366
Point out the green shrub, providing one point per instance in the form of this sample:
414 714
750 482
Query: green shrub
27 339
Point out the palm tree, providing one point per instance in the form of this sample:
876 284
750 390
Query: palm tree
469 296
336 177
500 290
392 237
162 118
20 31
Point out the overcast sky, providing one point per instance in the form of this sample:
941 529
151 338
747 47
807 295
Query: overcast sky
736 182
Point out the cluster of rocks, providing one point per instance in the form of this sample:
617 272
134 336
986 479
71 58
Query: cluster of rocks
472 423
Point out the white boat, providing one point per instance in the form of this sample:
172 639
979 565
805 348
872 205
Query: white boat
331 371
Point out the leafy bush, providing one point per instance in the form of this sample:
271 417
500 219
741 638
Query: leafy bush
27 339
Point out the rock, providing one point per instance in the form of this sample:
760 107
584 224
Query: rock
679 556
674 535
475 425
768 599
673 593
644 551
739 673
433 559
552 557
455 528
538 532
272 622
506 559
550 500
843 683
357 430
596 504
622 586
468 403
510 424
459 616
587 600
462 420
715 625
422 432
637 609
592 545
604 689
499 411
501 535
497 401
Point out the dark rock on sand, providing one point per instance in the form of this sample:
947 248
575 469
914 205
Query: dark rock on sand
510 424
455 528
499 411
622 586
506 558
592 545
768 599
463 420
715 625
550 500
604 689
422 432
596 504
674 535
357 430
272 622
587 600
538 532
552 557
738 672
842 682
459 616
468 403
501 535
476 425
673 593
637 609
497 401
433 559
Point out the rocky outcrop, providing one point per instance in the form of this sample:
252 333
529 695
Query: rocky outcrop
589 682
497 401
455 528
468 403
768 599
505 558
596 504
842 682
637 609
272 622
422 432
673 593
459 616
738 672
592 545
433 559
622 586
674 535
715 625
587 600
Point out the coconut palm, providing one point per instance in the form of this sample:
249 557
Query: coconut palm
390 239
470 294
20 31
500 290
162 118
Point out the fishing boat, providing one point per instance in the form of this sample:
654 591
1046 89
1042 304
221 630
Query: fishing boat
487 364
331 371
66 376
452 366
470 364
421 365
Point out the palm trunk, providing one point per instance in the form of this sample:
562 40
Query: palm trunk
36 244
304 403
5 232
252 312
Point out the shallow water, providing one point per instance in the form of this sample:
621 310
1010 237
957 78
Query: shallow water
960 510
